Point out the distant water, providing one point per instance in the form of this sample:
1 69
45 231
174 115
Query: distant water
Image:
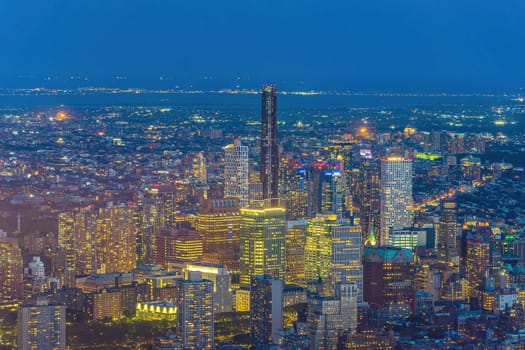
248 101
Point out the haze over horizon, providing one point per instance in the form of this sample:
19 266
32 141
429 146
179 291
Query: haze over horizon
405 45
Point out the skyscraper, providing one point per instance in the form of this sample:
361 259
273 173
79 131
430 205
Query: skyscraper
263 232
195 312
236 172
333 253
269 145
448 225
396 195
10 270
42 326
266 308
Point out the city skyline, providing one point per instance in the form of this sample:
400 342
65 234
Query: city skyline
262 175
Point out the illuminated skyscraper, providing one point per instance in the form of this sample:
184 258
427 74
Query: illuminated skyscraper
116 239
294 252
269 145
448 225
10 270
396 195
333 253
42 326
478 260
218 224
236 172
219 275
266 309
318 248
199 168
195 312
263 232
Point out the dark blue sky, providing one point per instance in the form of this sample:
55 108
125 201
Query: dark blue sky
367 44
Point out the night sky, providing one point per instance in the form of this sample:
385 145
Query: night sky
406 45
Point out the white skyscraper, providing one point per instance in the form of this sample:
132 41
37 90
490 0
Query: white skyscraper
396 195
236 172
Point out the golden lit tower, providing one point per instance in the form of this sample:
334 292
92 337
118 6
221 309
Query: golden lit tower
263 232
116 239
218 224
10 270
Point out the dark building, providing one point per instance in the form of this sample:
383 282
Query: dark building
388 273
269 146
266 308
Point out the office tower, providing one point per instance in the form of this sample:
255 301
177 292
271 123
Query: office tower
168 196
218 223
219 275
10 270
116 239
269 145
327 189
294 189
176 246
333 253
388 275
263 232
236 172
42 326
396 195
448 225
346 258
294 252
195 312
329 316
318 248
348 296
266 309
366 187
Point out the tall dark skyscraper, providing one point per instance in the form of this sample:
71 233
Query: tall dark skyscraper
269 146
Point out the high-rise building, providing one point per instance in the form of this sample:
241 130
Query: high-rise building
388 275
116 239
333 253
11 268
294 252
195 315
396 195
199 168
236 172
329 316
263 232
42 326
327 189
218 224
269 145
176 246
448 225
346 258
478 260
266 309
219 275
